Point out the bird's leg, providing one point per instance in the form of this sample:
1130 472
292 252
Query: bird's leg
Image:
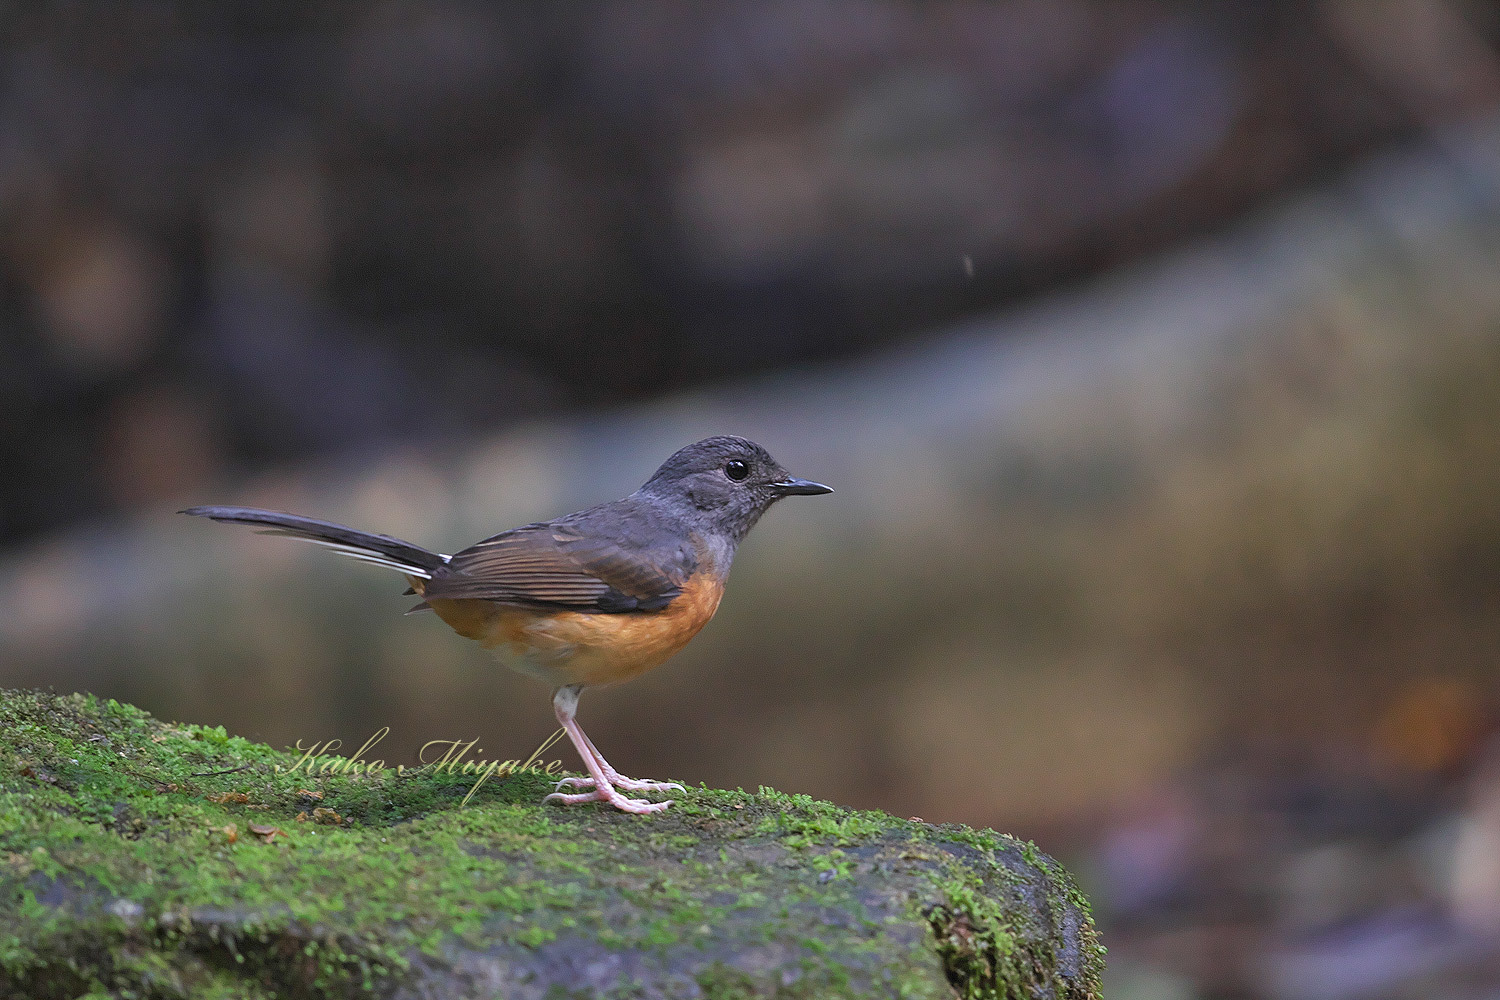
565 704
631 784
616 778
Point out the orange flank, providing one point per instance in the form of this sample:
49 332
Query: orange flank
571 647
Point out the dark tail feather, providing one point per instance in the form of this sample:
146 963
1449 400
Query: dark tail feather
382 550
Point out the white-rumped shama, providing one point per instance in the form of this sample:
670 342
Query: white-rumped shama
595 597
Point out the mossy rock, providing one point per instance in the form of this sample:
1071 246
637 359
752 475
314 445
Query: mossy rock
130 869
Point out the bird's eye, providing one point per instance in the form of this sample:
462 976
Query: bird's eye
736 470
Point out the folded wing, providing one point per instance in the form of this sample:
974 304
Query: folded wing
560 566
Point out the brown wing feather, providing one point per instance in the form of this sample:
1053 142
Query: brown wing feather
553 565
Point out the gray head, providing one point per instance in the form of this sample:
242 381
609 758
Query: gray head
725 484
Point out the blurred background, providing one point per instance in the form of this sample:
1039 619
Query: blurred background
1153 349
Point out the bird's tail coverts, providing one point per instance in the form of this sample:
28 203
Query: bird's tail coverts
381 550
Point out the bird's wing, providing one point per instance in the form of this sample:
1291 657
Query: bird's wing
561 566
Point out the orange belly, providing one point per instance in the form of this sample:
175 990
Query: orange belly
570 647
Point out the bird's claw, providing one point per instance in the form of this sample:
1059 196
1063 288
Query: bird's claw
606 794
620 781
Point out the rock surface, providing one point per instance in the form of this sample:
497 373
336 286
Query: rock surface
146 859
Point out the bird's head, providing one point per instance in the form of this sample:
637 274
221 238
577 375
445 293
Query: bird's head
725 483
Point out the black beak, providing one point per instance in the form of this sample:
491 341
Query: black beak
793 487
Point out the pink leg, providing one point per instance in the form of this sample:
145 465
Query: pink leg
565 703
616 778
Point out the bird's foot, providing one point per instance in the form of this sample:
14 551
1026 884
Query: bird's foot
607 794
620 781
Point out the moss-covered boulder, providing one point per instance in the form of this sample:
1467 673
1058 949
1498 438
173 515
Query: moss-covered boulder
146 859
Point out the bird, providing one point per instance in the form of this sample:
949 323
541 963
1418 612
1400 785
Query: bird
596 597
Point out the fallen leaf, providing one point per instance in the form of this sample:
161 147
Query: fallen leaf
225 798
328 816
302 816
308 793
231 833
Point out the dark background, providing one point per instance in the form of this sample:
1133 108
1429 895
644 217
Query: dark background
1153 349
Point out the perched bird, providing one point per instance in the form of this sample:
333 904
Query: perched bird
592 598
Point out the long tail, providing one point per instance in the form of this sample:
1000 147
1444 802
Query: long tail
382 550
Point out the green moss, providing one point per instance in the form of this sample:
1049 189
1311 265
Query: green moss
974 939
978 934
130 866
800 821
